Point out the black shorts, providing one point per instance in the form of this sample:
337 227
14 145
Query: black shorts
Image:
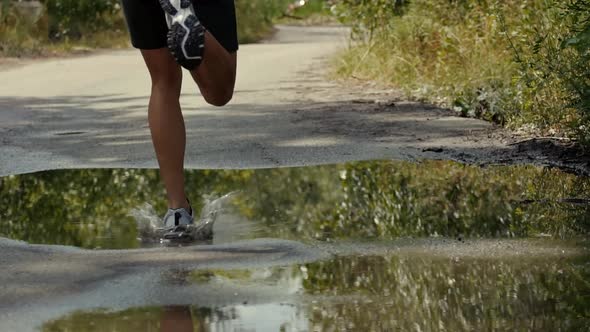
148 29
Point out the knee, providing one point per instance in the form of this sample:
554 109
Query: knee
220 98
167 80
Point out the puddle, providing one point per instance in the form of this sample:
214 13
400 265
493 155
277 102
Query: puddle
405 246
370 293
100 209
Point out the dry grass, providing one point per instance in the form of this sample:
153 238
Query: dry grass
459 55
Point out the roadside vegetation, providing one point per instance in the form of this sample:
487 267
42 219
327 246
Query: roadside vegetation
309 12
524 64
256 18
61 26
67 25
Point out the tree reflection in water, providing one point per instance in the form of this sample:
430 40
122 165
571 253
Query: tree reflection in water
433 294
378 200
376 293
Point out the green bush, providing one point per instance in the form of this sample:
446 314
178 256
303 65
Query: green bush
522 63
255 18
63 25
73 18
100 23
17 32
312 12
578 77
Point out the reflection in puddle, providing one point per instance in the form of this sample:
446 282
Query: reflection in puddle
375 293
264 317
364 200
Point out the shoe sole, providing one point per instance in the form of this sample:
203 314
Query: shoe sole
179 233
186 35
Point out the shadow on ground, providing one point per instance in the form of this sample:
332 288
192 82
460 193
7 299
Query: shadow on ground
112 131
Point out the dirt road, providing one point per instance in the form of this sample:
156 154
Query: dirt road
91 112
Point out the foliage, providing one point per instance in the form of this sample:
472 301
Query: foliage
368 17
17 33
255 18
100 23
379 200
521 63
313 12
578 77
73 18
63 25
309 8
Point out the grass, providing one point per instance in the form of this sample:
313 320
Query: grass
500 61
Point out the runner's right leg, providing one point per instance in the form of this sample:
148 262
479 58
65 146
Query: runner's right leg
215 77
166 122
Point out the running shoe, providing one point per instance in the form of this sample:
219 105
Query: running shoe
186 37
178 225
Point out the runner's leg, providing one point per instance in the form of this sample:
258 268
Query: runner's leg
166 122
216 75
215 78
177 319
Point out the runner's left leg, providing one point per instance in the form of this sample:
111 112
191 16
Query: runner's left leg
216 75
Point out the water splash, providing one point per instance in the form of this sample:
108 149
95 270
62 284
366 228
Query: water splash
149 223
203 229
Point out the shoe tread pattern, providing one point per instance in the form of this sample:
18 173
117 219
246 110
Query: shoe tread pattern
188 54
193 46
168 7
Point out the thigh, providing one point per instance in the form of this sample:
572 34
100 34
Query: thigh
146 22
219 18
148 29
163 68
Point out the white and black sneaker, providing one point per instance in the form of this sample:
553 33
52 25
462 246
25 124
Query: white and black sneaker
186 37
178 225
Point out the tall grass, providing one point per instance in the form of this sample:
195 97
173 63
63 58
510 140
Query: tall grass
504 61
17 33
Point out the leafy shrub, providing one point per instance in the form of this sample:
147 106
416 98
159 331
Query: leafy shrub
578 78
521 63
71 18
16 31
255 17
368 17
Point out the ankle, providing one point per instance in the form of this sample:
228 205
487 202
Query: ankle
177 204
